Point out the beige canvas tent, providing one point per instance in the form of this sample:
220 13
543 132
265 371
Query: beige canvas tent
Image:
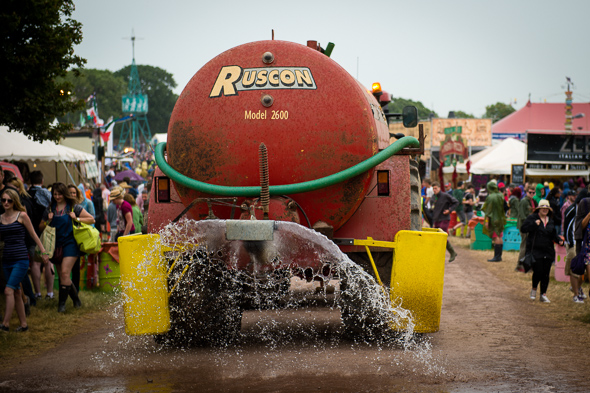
57 162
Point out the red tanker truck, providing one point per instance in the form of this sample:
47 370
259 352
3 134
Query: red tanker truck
278 163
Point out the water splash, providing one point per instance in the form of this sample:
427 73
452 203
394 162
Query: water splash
217 288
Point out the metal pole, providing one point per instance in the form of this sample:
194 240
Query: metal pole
431 151
69 174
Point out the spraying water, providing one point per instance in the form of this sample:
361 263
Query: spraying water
215 281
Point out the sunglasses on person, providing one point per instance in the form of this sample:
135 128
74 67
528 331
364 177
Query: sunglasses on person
4 200
531 192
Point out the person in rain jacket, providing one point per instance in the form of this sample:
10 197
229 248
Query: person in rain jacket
86 202
539 193
495 219
514 202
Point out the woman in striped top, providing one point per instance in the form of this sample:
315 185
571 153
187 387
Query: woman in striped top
14 223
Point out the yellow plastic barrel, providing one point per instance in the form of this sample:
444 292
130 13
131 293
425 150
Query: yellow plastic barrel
418 276
144 285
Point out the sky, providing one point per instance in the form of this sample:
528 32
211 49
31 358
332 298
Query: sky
450 55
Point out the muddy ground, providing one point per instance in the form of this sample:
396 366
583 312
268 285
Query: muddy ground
492 338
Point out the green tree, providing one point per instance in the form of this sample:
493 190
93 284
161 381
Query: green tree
107 87
157 84
397 104
36 47
498 111
463 115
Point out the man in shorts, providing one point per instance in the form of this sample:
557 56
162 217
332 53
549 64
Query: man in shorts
443 204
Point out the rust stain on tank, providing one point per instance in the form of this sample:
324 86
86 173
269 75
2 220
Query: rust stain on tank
197 158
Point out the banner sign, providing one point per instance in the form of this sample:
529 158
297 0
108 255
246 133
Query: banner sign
452 148
558 147
136 103
477 131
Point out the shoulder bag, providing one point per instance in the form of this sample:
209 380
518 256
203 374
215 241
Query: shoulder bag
48 240
529 259
87 237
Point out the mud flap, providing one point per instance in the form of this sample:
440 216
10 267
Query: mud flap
417 276
144 284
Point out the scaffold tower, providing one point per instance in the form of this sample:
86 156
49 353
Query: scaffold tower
135 104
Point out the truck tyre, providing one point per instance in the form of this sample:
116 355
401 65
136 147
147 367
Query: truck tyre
415 196
205 306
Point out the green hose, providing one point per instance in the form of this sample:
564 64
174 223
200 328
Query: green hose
286 189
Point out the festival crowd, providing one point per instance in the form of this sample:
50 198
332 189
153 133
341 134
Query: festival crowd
545 214
114 208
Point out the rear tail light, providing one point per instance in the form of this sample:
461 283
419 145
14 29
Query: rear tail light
383 183
162 189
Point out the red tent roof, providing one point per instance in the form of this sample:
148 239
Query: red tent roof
542 116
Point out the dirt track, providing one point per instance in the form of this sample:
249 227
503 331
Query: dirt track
492 339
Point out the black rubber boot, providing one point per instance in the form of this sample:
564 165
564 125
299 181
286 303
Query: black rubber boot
451 250
497 253
74 295
63 296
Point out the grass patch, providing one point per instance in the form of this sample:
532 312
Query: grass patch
47 327
561 307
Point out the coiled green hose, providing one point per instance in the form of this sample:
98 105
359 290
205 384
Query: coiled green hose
286 189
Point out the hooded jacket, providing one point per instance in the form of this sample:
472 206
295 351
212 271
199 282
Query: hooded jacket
538 193
494 210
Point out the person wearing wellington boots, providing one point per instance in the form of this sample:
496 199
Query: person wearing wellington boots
60 213
495 219
14 224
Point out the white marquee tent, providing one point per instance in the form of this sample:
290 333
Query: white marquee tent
495 160
159 138
57 162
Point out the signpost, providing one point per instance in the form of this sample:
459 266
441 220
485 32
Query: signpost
517 174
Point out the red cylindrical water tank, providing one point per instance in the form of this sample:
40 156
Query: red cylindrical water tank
313 117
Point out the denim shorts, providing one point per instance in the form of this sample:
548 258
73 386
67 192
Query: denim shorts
15 273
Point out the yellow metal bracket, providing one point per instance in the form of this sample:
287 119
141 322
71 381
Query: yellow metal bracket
375 243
